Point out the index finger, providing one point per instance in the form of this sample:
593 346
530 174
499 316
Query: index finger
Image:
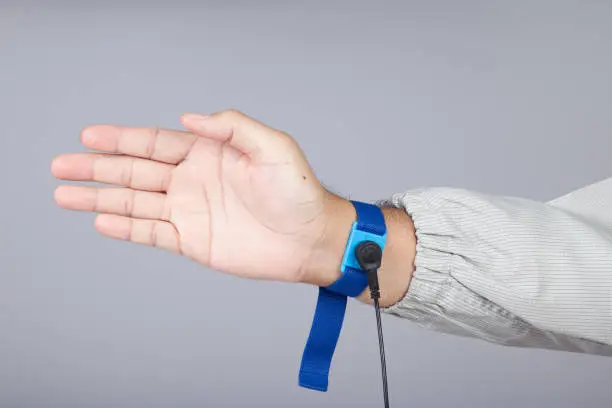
163 145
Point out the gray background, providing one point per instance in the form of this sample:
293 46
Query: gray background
510 98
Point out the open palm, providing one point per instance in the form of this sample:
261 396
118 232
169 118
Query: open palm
230 193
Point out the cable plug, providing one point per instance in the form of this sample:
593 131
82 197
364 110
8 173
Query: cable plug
369 256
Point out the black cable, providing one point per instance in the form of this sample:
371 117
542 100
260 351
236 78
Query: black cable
369 256
381 344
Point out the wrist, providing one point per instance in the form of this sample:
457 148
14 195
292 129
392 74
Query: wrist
395 273
325 260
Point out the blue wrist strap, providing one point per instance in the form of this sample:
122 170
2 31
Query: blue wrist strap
331 304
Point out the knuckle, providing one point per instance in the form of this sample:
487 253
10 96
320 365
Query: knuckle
130 201
153 235
151 146
287 141
286 137
125 176
231 114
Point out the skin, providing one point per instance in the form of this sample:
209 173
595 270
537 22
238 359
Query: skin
229 193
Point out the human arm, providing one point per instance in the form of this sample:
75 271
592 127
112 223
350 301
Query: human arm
502 269
240 197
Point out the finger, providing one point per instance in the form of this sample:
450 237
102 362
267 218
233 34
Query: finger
252 138
119 201
163 145
124 171
159 234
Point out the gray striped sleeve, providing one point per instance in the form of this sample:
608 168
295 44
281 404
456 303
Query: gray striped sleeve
513 271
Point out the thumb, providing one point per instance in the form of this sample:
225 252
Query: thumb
245 134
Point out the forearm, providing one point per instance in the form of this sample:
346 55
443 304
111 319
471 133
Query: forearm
509 270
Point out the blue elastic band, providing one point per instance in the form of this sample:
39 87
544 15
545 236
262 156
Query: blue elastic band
370 218
331 304
322 340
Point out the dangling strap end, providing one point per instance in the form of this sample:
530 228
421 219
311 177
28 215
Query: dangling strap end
313 380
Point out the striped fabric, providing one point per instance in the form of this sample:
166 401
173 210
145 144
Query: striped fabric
513 271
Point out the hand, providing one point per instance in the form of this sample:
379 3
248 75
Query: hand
231 194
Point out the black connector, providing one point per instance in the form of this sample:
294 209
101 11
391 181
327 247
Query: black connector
369 256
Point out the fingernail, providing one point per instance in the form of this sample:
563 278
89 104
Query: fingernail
87 136
195 116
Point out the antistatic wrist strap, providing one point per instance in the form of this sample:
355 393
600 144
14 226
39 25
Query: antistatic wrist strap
331 303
